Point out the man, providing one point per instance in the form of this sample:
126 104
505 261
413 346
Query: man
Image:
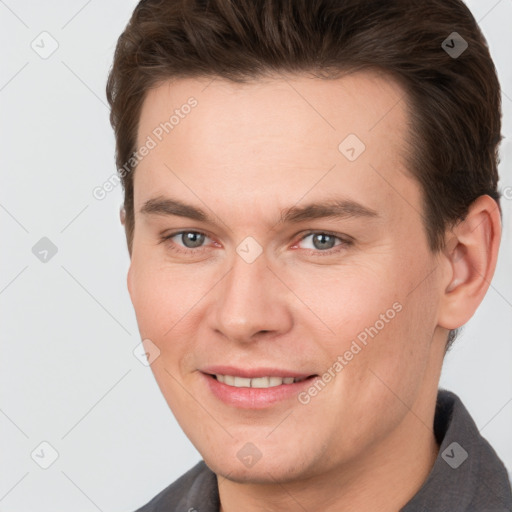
311 210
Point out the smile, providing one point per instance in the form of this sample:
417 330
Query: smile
257 382
254 389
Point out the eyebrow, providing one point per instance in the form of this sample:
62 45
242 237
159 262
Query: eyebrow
327 209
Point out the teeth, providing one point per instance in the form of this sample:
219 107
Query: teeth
262 382
241 382
257 382
277 381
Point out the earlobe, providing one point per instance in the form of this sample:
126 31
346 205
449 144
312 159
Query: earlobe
122 215
470 256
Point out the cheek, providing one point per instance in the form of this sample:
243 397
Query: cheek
347 301
161 295
150 300
375 317
163 305
169 306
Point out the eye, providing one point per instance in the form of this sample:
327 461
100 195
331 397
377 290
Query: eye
191 239
184 241
321 241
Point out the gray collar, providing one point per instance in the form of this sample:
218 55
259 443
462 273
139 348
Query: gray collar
467 474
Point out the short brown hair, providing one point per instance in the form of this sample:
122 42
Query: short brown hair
454 101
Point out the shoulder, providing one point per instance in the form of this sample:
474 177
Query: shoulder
197 486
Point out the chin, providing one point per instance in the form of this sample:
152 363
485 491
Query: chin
262 472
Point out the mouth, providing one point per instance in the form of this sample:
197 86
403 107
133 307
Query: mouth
257 382
255 389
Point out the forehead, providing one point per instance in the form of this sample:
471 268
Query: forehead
277 137
307 106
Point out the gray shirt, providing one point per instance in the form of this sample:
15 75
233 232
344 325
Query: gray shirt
467 475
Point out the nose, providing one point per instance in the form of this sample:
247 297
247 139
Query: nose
250 303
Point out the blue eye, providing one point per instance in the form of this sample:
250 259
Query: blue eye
191 239
322 241
185 241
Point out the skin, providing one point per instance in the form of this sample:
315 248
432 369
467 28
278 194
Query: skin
245 153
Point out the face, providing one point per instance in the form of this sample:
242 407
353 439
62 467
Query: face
280 269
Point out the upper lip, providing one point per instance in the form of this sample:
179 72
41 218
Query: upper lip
252 373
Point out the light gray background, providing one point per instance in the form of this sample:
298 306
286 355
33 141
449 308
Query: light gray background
68 374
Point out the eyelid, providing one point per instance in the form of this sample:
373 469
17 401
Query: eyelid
339 236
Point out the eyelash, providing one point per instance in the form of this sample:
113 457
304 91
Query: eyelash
345 242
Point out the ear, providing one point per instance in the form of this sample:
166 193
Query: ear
129 280
469 260
129 277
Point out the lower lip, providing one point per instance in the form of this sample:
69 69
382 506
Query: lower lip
255 398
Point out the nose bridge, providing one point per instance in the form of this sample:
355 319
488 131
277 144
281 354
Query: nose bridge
249 301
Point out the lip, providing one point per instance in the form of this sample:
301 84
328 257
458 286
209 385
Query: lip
253 373
254 398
